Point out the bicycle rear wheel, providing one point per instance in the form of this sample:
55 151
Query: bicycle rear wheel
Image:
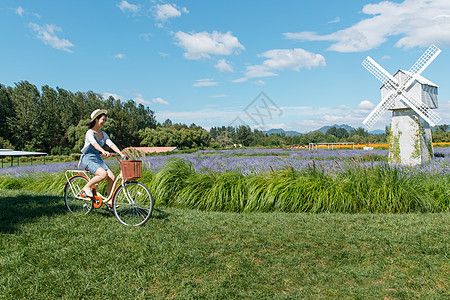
72 190
133 203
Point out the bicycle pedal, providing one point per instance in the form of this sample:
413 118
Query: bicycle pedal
97 201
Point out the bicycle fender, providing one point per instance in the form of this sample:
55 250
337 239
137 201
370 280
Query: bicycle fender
78 175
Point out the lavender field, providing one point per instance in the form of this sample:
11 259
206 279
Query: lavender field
253 161
242 180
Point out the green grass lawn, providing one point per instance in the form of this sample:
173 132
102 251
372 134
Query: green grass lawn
46 253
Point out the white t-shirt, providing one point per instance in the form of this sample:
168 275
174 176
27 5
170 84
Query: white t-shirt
90 140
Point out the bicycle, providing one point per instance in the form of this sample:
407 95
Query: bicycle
132 202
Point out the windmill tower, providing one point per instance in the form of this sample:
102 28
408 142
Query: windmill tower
411 99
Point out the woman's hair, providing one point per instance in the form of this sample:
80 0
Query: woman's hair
92 123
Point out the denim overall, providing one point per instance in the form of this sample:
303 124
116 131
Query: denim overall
91 160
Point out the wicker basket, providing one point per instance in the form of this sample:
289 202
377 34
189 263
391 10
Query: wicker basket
131 169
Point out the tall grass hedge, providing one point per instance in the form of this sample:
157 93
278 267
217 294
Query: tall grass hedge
351 189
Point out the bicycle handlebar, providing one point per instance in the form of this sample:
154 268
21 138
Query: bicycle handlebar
117 156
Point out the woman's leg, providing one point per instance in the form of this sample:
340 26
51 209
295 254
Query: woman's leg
110 177
99 176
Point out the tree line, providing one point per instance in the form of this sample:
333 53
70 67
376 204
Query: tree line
53 121
36 120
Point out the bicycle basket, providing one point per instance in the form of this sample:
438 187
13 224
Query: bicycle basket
131 169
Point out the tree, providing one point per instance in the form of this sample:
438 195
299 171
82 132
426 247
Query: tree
442 128
194 137
361 132
160 137
312 137
52 132
40 121
25 124
224 139
259 138
244 135
341 133
6 112
331 131
329 138
167 123
128 120
182 137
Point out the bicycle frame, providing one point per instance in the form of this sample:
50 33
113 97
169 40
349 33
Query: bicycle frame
99 198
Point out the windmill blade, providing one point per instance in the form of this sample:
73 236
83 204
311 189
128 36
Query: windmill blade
421 109
377 112
378 71
422 63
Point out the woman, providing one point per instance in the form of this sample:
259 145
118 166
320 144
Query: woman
91 158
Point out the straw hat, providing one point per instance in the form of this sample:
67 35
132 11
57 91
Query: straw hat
97 113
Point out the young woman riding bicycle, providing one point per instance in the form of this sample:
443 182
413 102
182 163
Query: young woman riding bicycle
91 159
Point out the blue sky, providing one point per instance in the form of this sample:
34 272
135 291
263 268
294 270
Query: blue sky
207 62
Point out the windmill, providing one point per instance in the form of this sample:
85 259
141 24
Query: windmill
411 99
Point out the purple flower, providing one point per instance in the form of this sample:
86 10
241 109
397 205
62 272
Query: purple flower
251 161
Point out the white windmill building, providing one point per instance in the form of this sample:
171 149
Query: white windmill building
411 99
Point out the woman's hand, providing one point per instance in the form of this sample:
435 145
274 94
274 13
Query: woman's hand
122 155
106 154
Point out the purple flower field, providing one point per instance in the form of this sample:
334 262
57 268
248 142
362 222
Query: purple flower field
248 161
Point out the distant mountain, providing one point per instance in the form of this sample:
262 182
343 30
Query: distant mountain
324 129
378 131
280 131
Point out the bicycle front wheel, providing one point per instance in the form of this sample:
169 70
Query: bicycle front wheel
133 203
72 191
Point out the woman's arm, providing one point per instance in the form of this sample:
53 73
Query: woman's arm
114 147
99 148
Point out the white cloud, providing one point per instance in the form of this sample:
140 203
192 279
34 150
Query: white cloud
294 59
19 11
106 95
216 117
300 118
208 117
166 11
119 55
336 20
415 23
223 66
307 118
239 80
163 54
145 36
159 100
288 108
218 96
259 82
366 104
128 7
282 59
342 107
205 82
259 71
140 99
203 44
47 35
